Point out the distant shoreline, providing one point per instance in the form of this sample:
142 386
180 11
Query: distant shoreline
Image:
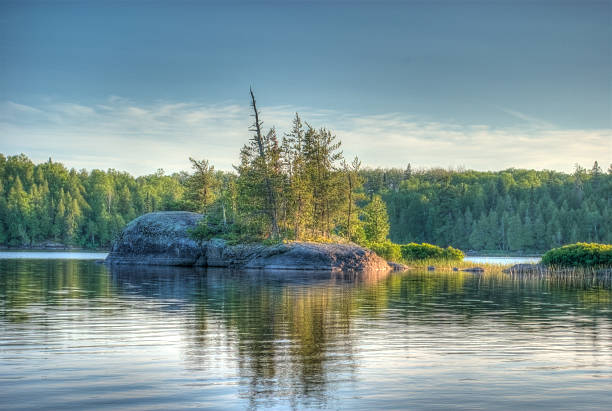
501 253
62 247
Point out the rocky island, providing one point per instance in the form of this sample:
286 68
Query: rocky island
162 238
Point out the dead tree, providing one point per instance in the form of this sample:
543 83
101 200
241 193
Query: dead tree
271 197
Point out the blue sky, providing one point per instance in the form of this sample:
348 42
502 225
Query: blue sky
141 85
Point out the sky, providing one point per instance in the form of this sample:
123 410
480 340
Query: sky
142 85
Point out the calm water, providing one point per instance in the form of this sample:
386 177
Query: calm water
53 255
80 255
76 335
502 260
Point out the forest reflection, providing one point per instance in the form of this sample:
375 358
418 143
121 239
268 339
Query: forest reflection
294 335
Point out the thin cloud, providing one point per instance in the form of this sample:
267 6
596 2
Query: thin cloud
534 121
121 134
21 107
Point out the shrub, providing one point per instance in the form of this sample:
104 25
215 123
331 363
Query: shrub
451 253
579 255
414 251
207 228
387 250
212 226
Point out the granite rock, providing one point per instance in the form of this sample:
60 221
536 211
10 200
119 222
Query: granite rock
159 238
162 238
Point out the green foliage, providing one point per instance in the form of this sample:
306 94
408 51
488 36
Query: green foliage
353 228
301 188
511 210
201 186
387 250
426 251
451 253
297 189
376 221
579 255
47 201
208 227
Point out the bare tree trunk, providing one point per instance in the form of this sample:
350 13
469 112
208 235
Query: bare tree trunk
262 153
350 205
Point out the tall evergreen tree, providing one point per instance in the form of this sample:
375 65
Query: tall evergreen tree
201 186
376 220
256 179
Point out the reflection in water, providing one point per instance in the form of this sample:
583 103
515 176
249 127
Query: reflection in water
52 255
83 336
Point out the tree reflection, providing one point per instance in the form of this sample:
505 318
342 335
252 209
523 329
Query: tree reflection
294 335
28 283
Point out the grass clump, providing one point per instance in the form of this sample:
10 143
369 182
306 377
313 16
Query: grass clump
579 255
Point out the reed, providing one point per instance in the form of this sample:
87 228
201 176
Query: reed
571 276
448 265
554 275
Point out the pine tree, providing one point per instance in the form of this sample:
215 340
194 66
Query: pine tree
201 186
479 235
298 190
125 203
514 233
18 210
376 220
408 172
322 155
59 223
257 192
353 181
73 217
3 207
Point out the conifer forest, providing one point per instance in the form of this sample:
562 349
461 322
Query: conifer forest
299 186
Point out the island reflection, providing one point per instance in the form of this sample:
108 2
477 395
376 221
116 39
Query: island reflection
297 336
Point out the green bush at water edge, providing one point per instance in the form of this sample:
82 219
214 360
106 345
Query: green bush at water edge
414 251
579 255
387 250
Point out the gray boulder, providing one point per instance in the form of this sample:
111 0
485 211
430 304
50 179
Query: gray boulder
292 256
398 266
162 238
159 238
316 256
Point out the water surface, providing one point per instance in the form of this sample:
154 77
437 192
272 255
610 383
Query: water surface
84 255
502 260
53 255
76 335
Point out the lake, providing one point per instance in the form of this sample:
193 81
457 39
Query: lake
77 335
502 260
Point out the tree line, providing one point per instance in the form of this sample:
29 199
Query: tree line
48 202
509 210
298 186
